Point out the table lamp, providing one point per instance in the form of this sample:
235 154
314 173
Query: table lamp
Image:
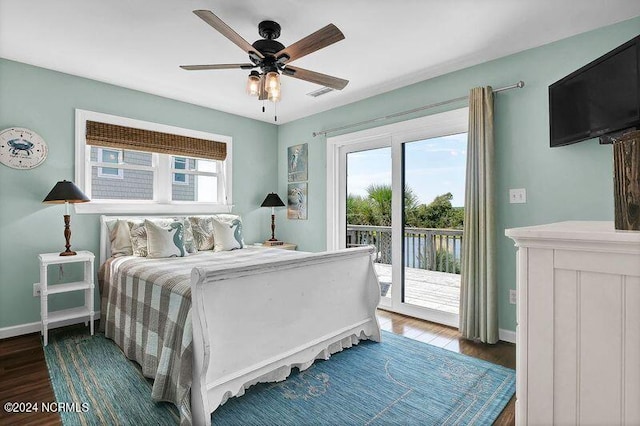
272 201
66 192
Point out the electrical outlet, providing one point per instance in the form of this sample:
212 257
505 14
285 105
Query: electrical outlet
513 297
36 289
518 196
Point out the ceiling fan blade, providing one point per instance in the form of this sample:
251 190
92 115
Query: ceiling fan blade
315 77
224 29
217 67
322 38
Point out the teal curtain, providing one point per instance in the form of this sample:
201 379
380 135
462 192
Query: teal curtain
478 287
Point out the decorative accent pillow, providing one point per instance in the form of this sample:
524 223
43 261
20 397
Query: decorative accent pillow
120 238
189 240
165 241
202 232
139 234
138 238
227 234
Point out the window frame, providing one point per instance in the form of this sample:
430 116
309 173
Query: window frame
162 167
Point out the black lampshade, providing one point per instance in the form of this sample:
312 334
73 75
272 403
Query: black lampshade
272 200
65 191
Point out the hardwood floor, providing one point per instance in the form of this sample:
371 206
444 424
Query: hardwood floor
24 376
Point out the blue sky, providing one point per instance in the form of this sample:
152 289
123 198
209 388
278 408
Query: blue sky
433 167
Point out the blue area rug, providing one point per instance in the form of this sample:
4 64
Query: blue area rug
400 381
397 382
101 386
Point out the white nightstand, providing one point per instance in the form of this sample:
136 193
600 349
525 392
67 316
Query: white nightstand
86 285
284 246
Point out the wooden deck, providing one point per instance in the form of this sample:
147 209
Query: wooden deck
429 289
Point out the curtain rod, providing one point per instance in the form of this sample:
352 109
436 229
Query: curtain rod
517 85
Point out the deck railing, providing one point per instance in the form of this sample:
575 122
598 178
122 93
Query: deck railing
425 248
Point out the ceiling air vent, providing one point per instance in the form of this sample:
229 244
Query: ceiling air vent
320 92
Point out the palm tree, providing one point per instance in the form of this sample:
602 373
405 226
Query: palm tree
375 208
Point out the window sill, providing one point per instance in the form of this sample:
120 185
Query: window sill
102 207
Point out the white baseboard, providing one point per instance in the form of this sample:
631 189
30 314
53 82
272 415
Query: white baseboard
507 335
34 327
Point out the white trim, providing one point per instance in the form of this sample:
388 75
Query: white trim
150 207
507 335
34 327
162 193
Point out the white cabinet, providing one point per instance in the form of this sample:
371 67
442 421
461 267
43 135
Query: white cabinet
81 313
578 330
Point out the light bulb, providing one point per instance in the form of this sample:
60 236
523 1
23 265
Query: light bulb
253 84
272 81
274 95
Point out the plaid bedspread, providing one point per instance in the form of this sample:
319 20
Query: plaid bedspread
146 310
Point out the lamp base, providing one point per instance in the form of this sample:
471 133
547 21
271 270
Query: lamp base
273 242
67 237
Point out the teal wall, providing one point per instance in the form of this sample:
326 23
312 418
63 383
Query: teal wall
568 183
44 101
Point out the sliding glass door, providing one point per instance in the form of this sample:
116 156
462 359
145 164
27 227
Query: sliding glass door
400 188
433 175
367 199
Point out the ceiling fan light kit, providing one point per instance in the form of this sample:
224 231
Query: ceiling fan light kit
253 83
272 57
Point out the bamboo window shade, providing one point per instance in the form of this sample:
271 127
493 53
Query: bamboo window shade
122 137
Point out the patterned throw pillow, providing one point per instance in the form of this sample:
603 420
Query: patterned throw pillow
120 238
202 232
189 239
139 234
138 238
165 241
227 232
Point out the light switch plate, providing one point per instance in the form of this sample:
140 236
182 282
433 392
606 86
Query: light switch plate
513 297
517 196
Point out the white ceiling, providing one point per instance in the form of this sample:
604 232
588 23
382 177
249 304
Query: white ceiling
139 44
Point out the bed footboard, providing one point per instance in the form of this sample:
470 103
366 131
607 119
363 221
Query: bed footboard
254 323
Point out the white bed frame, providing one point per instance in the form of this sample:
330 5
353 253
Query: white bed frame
254 324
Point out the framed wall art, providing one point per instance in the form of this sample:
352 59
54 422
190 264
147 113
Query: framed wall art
297 201
297 163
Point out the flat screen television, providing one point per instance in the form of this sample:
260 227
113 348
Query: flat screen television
601 98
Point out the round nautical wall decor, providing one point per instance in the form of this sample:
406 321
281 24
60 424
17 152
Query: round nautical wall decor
22 148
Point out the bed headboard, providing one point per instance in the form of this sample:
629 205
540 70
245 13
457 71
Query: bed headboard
105 242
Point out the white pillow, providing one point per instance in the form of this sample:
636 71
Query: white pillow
227 233
120 238
165 241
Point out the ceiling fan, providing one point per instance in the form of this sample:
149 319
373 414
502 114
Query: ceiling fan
272 57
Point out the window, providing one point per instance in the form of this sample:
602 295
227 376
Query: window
180 163
131 166
109 156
